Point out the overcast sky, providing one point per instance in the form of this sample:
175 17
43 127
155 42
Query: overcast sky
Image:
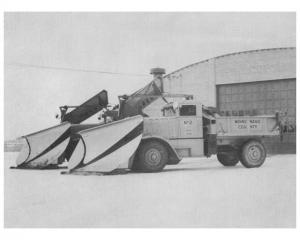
116 42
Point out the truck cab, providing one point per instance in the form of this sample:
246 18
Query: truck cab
186 126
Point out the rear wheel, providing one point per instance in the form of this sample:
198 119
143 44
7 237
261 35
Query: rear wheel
228 158
151 156
253 154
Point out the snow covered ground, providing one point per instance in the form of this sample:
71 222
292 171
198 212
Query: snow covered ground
195 193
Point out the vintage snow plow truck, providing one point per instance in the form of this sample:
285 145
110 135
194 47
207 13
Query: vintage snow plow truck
133 140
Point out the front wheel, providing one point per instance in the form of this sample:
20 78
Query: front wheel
151 156
253 154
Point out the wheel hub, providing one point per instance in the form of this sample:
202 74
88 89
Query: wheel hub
153 156
254 153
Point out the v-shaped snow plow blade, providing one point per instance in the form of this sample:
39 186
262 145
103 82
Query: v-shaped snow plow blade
50 147
106 147
43 149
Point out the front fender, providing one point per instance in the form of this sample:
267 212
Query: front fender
174 158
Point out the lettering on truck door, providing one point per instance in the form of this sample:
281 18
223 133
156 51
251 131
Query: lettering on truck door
187 127
189 122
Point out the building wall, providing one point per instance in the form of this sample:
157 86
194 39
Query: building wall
258 98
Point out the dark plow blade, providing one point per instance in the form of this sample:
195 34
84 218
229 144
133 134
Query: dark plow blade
87 109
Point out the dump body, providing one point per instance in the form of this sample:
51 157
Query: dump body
233 132
246 126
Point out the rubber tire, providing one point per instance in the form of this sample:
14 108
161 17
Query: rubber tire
245 158
228 159
142 162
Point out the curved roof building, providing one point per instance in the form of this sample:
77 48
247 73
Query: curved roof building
202 78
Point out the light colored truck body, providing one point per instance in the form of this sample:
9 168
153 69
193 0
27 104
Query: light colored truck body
187 130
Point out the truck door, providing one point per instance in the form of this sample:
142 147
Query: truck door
189 142
189 124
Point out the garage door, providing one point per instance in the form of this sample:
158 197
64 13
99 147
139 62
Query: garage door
259 98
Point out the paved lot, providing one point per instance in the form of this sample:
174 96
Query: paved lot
195 193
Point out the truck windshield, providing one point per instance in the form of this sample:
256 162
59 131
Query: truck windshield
187 110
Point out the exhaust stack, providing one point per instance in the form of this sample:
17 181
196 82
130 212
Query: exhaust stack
158 74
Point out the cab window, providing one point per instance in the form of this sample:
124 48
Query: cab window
168 112
187 110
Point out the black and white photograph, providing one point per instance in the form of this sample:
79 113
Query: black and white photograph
149 119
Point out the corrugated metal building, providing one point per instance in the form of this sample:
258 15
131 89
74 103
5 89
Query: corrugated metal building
245 83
